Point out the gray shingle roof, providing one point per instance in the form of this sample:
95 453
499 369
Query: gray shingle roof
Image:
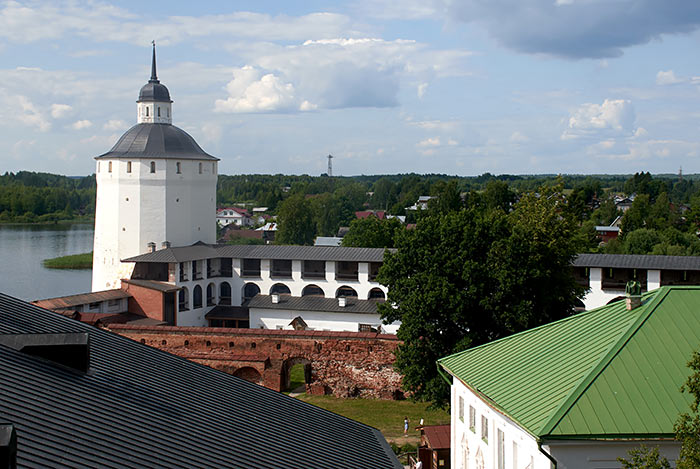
143 407
157 141
313 303
636 261
309 253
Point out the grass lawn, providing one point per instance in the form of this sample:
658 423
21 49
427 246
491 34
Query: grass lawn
296 376
75 261
386 416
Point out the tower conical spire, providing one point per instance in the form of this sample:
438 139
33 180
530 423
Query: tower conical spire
154 77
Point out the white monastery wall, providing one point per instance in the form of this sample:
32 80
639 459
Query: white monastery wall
316 320
598 297
470 450
604 454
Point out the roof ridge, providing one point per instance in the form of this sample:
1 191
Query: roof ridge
588 379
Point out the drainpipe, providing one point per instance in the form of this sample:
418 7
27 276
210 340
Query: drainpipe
445 376
547 455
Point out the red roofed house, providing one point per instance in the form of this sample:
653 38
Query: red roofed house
381 214
434 449
239 216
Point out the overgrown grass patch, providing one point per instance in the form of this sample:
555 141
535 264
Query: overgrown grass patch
74 261
386 416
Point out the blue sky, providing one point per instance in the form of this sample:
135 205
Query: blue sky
386 86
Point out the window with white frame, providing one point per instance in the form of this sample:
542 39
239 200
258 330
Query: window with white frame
461 408
472 419
484 429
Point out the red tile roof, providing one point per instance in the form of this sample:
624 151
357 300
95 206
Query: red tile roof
437 436
381 214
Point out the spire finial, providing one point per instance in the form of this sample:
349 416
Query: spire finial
154 77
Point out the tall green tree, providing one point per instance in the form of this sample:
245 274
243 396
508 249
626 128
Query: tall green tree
295 221
371 232
475 275
688 424
645 458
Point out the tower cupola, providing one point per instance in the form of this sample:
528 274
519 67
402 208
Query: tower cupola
154 105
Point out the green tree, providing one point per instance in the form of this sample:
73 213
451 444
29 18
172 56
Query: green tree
295 221
687 426
446 197
472 276
644 458
636 216
641 241
497 194
371 232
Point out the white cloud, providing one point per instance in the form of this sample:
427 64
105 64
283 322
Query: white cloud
667 78
81 124
19 107
115 124
429 142
60 110
212 132
613 116
422 88
252 91
439 125
519 137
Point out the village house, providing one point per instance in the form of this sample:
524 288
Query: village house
234 215
580 392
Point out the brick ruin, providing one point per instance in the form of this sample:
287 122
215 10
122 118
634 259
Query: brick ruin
344 364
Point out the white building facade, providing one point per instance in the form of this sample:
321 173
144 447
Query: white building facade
156 186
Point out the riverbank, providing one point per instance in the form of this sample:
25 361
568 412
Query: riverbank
73 261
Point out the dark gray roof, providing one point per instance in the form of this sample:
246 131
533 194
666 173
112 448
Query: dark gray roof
154 91
228 312
268 251
151 285
637 261
142 407
157 141
313 303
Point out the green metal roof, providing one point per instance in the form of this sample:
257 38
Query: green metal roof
605 373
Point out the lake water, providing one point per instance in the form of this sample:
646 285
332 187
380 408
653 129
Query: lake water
24 247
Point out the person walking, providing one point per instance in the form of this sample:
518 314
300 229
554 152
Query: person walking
405 426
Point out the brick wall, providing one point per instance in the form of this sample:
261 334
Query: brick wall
145 301
345 364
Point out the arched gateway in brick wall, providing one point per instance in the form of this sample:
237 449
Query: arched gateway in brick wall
345 364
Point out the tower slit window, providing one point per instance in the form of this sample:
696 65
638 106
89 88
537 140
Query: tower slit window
200 168
153 166
178 168
128 166
109 167
146 111
158 111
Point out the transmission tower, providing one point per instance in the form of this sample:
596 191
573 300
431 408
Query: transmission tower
330 165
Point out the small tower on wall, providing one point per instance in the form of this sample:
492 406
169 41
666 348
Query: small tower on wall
156 187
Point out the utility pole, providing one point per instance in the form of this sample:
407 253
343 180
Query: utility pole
330 165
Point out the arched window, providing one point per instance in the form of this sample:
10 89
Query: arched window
109 167
158 111
182 303
200 168
153 166
376 294
197 297
225 293
146 111
346 291
211 292
178 168
312 290
128 166
250 290
280 289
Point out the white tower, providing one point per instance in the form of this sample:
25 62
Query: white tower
155 186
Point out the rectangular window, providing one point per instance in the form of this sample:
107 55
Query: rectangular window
113 303
472 419
461 408
128 166
94 306
250 268
484 429
109 168
178 168
200 168
501 450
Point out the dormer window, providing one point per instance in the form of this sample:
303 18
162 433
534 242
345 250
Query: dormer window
178 168
153 166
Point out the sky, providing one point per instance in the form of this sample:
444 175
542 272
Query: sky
460 87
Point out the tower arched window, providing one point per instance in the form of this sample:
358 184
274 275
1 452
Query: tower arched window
200 168
146 111
158 111
109 167
178 168
128 166
153 166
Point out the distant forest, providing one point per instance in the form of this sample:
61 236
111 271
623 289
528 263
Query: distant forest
665 214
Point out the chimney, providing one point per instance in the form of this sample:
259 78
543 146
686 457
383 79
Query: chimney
8 446
165 244
151 247
275 298
633 291
71 349
342 301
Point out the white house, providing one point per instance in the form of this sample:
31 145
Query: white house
576 393
233 215
607 274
